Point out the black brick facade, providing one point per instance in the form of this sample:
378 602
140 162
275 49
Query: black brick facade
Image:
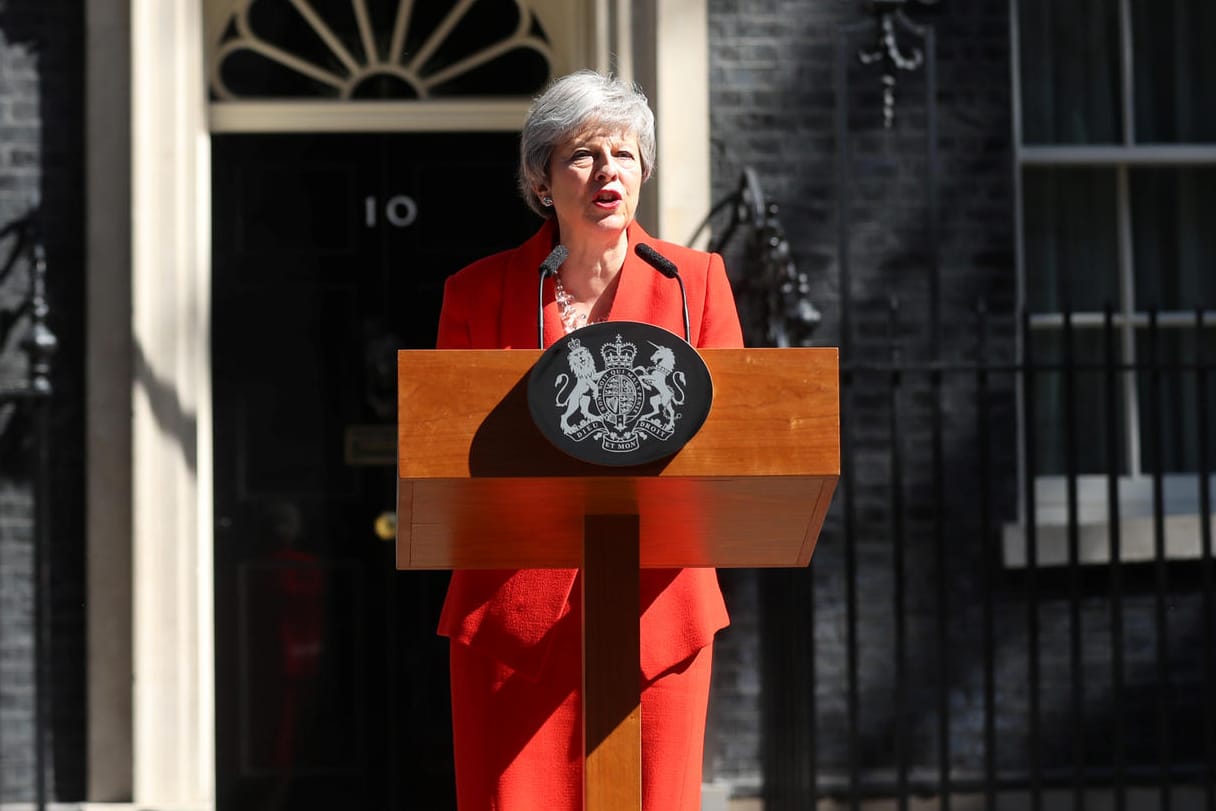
780 699
42 170
774 108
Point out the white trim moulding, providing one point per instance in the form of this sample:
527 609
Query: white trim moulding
1112 155
473 115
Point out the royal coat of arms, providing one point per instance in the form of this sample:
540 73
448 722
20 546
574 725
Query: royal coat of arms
620 400
622 403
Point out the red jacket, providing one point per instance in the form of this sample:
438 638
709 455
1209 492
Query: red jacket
492 304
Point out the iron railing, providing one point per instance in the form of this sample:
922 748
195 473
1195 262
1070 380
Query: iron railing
967 670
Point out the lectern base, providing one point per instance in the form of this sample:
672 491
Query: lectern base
612 711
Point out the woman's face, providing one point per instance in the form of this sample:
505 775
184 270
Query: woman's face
594 180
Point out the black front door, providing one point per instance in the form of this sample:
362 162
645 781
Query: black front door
329 254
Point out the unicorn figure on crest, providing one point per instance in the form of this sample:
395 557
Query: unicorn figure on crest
667 384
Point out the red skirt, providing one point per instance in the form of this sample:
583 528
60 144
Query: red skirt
518 741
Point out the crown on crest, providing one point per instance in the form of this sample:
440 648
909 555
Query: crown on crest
619 353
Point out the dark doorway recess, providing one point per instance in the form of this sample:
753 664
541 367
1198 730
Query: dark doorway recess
329 254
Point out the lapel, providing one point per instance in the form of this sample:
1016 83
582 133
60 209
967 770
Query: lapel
642 294
639 297
520 279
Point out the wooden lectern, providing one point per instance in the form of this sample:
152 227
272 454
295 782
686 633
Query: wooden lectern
479 487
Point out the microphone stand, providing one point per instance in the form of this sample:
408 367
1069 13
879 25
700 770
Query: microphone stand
547 268
668 268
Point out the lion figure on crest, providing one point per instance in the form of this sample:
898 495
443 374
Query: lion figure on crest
584 389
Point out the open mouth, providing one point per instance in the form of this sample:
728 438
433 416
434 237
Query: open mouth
607 196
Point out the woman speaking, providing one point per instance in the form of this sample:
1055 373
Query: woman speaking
587 146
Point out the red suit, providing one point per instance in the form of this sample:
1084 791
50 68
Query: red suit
516 650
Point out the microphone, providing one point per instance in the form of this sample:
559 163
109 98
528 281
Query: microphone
668 268
547 268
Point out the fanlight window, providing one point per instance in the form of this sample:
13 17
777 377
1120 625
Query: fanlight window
380 50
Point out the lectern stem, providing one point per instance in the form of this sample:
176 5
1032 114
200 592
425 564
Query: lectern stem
612 714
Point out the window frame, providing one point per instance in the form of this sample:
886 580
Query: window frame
1052 522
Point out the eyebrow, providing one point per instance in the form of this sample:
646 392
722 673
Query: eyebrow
614 141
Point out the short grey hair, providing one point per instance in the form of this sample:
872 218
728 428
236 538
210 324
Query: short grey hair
569 105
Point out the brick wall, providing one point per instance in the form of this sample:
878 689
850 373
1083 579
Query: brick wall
41 166
783 664
774 109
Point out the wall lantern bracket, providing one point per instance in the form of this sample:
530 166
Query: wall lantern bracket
774 295
889 52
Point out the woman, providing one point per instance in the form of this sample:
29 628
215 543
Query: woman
587 147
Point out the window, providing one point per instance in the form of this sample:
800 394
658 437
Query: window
390 65
1116 160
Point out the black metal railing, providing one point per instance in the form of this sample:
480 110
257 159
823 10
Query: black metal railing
32 392
955 635
954 653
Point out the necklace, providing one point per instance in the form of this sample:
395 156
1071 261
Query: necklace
567 309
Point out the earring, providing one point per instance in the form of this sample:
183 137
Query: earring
546 201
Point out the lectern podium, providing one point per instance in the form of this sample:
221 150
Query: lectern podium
479 487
